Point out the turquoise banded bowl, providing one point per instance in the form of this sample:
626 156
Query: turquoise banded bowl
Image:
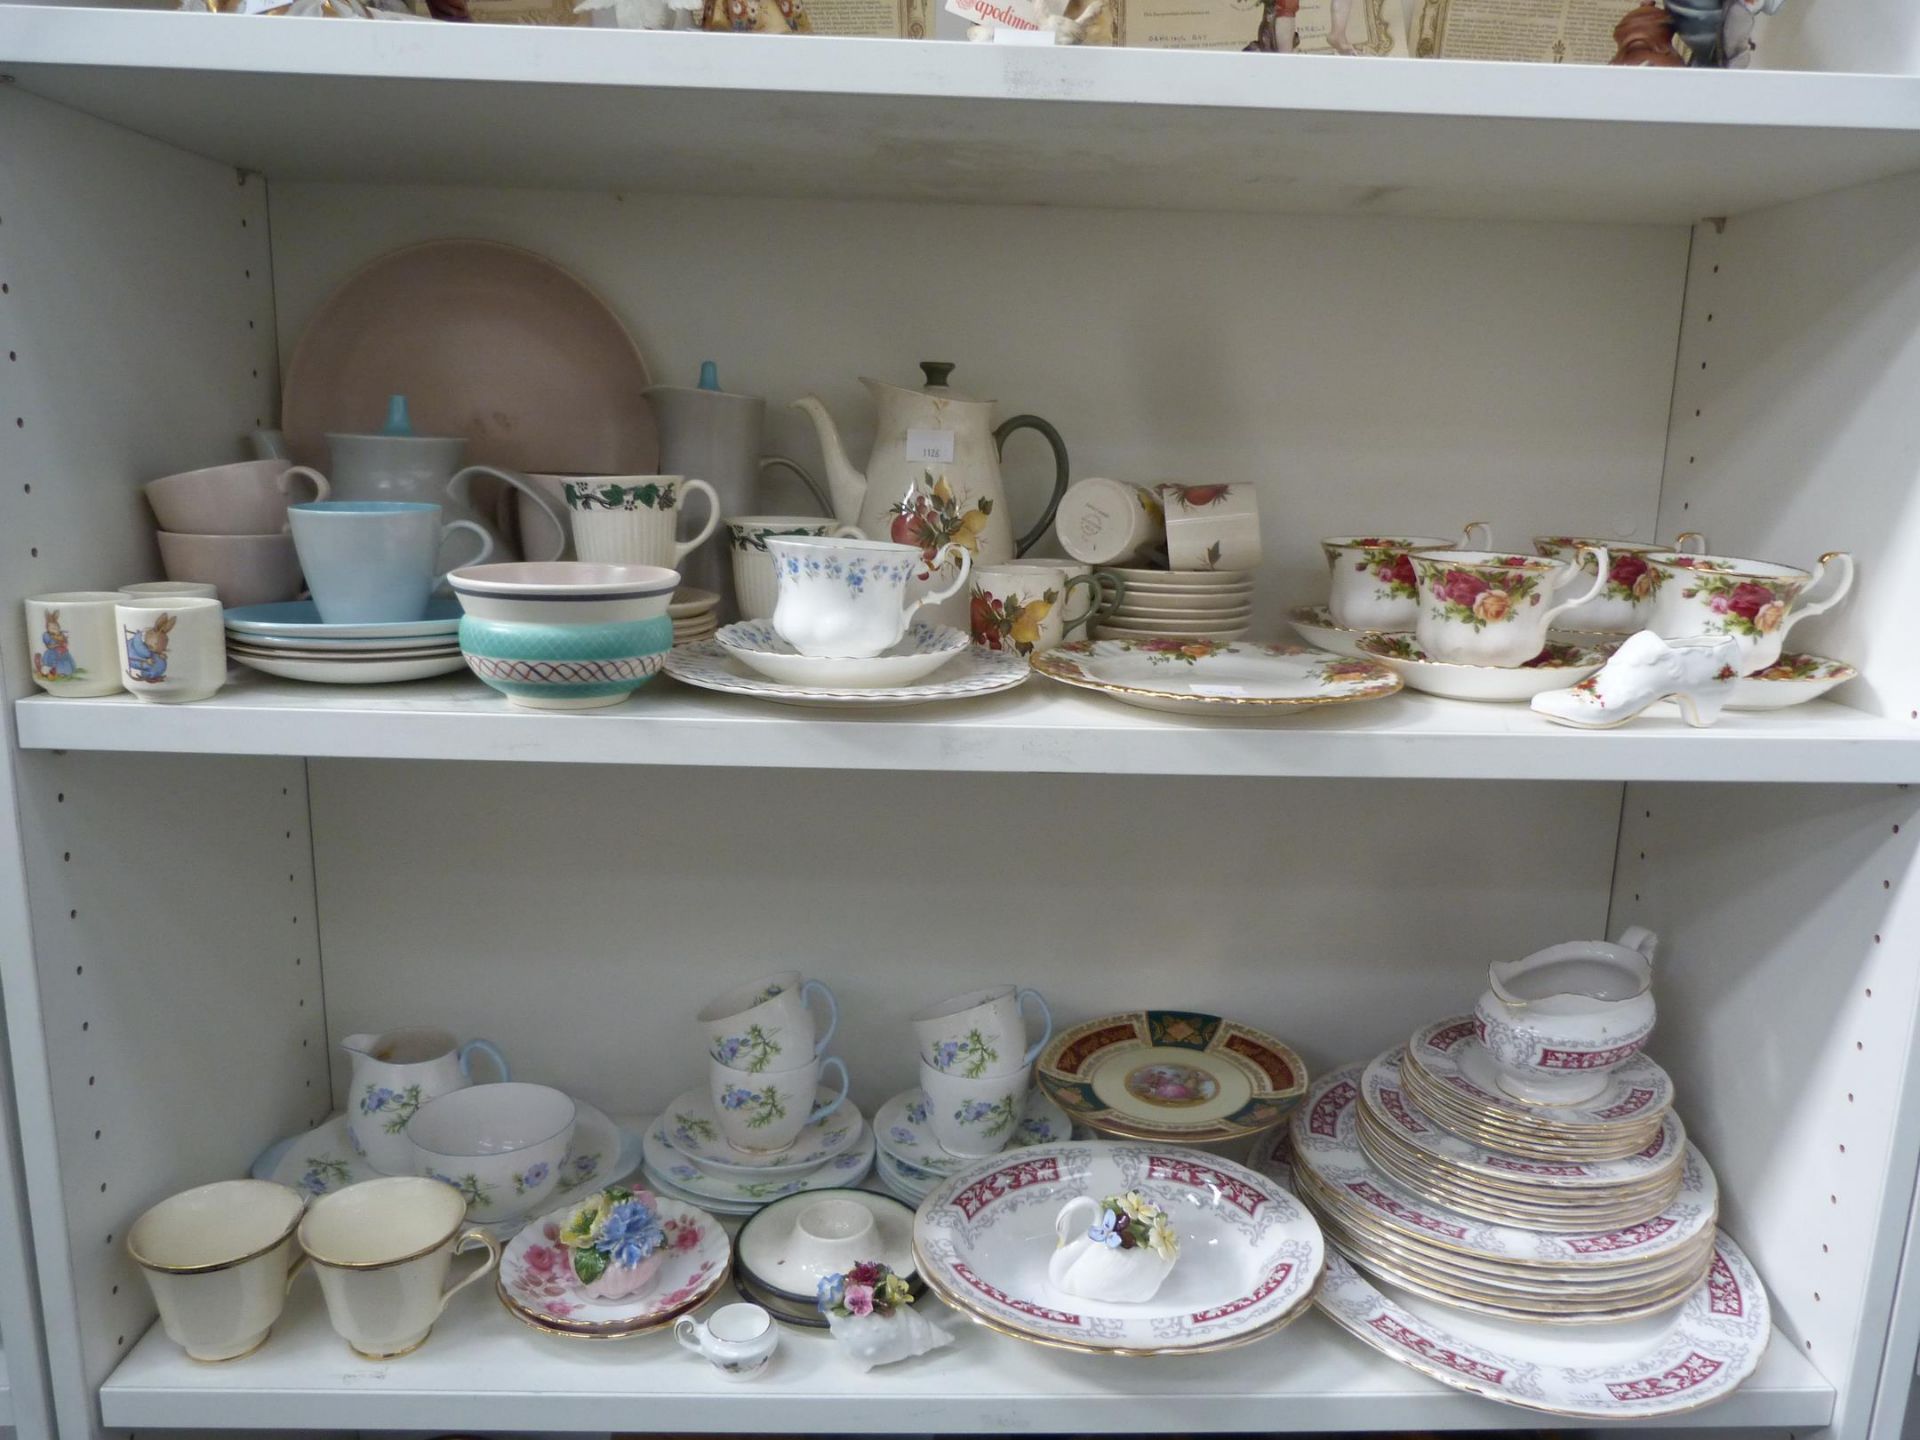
566 667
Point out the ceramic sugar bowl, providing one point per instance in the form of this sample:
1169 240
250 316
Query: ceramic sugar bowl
1558 1021
1121 1248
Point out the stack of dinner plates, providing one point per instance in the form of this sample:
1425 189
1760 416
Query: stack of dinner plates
695 614
1212 604
289 639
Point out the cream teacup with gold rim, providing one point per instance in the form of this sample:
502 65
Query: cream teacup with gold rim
1621 608
1370 577
219 1259
1479 607
1755 601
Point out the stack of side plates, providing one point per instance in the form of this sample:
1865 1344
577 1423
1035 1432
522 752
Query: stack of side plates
290 640
695 614
912 1160
688 1157
1214 604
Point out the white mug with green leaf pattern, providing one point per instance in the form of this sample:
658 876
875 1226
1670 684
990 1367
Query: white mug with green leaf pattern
981 1033
634 519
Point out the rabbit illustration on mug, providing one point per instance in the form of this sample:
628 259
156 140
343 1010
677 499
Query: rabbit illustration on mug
147 651
55 660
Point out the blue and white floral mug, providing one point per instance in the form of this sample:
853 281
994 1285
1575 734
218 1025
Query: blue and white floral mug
769 1024
394 1074
982 1033
847 599
765 1111
974 1117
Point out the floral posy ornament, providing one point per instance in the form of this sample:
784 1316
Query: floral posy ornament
869 1310
1120 1248
617 1241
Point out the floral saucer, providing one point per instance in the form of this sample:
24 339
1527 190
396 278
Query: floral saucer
1450 1052
324 1160
1554 668
1249 1253
536 1285
693 1130
907 1182
1176 1076
1790 680
926 647
904 1134
1197 675
974 671
665 1161
1315 625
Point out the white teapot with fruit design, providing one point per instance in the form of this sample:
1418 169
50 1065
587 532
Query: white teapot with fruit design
933 478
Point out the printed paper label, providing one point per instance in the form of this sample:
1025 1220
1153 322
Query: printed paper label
935 445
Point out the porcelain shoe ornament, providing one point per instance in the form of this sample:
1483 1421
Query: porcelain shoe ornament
1697 672
848 598
1120 1249
1558 1022
394 1074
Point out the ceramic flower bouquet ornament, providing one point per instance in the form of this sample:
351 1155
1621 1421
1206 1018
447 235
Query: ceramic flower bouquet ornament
1120 1248
869 1310
616 1243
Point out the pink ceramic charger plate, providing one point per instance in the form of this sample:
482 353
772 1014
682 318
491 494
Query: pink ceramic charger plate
486 341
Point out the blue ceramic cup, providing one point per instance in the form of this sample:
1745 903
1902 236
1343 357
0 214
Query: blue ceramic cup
368 561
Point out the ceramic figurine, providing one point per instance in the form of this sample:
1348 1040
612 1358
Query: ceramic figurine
1279 31
1558 1022
869 1310
1644 36
616 1243
1697 672
1120 1249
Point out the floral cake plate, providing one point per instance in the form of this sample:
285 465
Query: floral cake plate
1249 1253
901 1127
665 1162
1316 626
324 1160
1790 680
1554 668
706 665
1178 1076
693 1130
535 1282
1191 675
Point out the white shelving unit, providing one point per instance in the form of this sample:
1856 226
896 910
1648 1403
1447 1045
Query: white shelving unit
1390 294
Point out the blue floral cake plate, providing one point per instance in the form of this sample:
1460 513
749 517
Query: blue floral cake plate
900 1126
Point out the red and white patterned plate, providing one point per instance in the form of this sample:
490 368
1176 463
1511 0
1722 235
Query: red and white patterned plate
1250 1254
1449 1051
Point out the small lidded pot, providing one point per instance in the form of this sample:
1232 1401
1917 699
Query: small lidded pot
1559 1021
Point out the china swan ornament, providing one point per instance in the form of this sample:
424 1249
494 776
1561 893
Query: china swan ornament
1119 1249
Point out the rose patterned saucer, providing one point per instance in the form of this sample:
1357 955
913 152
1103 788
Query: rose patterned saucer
536 1286
1790 680
1554 668
1316 626
693 1130
1203 676
904 1135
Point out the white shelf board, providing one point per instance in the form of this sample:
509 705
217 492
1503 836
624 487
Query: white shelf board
1040 727
482 1370
598 109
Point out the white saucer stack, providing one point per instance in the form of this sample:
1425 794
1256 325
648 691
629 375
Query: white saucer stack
1213 604
695 614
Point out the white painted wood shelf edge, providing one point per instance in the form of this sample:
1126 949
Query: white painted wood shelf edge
482 1370
1039 728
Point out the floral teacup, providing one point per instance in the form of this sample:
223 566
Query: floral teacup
1478 607
767 1025
973 1117
762 1111
1621 608
1211 527
1371 582
981 1033
1751 600
747 536
847 599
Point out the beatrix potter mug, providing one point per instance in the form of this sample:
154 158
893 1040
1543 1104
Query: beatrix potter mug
372 561
1478 607
394 1074
173 651
737 1340
846 599
1755 601
633 519
73 644
1371 581
219 1259
381 1250
762 1111
768 1025
982 1032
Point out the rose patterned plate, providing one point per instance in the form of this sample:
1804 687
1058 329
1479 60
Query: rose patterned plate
1450 1052
1326 1147
535 1282
1172 1075
1790 680
1315 626
1249 1253
975 671
1662 1365
904 1135
1554 668
1193 675
693 1130
1409 1129
324 1160
665 1161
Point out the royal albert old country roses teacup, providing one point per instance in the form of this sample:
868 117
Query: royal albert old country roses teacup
847 599
1755 601
1478 607
768 1025
1621 608
982 1032
219 1259
764 1111
1371 582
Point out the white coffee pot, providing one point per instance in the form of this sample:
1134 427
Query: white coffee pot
394 1074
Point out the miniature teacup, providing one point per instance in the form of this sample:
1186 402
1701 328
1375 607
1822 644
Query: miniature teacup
1559 1021
499 1145
847 599
981 1033
219 1259
1108 522
767 1025
1479 607
747 535
73 644
765 1110
1022 605
634 519
381 1250
1621 608
1211 527
1751 600
737 1340
1371 580
973 1117
173 651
